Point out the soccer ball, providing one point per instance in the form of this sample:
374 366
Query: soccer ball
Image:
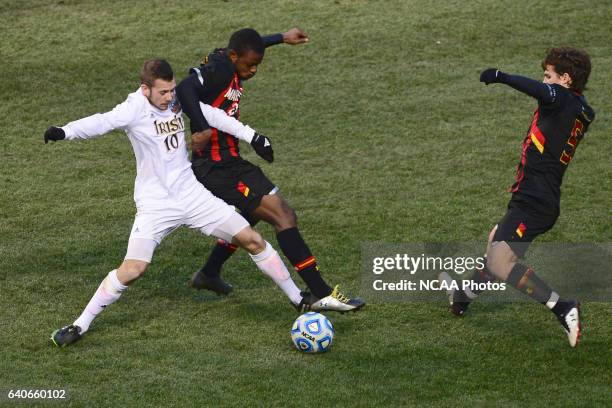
312 333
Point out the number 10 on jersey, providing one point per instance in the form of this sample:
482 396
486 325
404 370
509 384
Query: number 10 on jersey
171 142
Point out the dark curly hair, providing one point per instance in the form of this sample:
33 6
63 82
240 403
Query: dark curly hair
576 63
246 39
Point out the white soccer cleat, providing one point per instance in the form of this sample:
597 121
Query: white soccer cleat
570 320
337 302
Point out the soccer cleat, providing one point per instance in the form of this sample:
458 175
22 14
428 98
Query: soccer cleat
215 284
66 335
306 303
459 303
569 317
337 302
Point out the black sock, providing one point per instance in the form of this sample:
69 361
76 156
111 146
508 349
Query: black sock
561 307
298 253
220 253
525 280
479 276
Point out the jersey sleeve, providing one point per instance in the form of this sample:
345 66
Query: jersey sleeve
203 84
189 97
225 123
546 94
101 123
272 39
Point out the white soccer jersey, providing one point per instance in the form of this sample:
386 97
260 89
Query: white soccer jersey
163 168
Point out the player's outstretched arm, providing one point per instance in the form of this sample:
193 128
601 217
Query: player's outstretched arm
545 93
94 125
293 37
220 120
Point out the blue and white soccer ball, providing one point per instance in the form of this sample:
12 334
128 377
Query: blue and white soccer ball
312 333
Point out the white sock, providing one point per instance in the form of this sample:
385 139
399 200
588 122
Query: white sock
108 292
270 263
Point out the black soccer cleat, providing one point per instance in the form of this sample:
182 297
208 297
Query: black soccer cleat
215 284
568 314
66 335
459 308
458 301
306 303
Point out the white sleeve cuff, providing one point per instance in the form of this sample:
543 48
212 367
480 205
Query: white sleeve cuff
246 134
70 134
219 119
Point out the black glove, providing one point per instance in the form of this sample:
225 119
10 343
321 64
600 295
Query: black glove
263 147
491 76
54 133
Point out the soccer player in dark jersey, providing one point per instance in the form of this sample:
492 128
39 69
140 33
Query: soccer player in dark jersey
559 123
217 164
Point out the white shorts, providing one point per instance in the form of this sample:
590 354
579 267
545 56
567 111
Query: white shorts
197 209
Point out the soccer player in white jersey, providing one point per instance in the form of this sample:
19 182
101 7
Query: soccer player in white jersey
166 192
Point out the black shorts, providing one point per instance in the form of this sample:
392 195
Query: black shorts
521 225
238 183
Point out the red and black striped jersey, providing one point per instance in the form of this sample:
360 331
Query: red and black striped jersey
558 125
214 83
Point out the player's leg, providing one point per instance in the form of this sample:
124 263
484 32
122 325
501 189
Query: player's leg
209 275
460 299
109 291
509 244
274 210
149 229
503 263
212 216
277 212
245 186
236 229
226 183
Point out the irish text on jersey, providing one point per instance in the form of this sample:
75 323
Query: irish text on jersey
174 125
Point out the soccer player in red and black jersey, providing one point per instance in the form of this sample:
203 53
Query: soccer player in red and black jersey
559 123
217 164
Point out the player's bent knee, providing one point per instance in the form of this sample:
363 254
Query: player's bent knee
250 240
131 270
286 219
292 217
500 259
493 266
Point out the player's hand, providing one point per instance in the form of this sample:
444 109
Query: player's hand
199 140
295 36
54 133
490 76
262 146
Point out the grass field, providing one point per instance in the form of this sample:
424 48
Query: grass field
382 133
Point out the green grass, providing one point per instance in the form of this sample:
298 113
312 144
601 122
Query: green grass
382 132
